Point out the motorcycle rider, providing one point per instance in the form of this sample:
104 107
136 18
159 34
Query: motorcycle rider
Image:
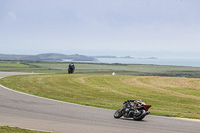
139 102
131 103
72 67
133 109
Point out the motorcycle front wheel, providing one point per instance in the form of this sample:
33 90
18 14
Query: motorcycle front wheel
70 71
139 115
118 113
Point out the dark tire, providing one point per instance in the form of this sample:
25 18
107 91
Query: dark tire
140 115
118 113
70 71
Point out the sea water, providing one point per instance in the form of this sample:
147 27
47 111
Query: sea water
189 61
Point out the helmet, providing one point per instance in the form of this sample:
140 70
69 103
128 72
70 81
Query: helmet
139 100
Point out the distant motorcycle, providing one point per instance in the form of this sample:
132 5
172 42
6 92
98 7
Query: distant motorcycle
133 109
71 68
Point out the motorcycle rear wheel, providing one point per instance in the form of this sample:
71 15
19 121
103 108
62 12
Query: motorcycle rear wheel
118 113
140 115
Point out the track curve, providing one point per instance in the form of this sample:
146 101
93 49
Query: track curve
26 111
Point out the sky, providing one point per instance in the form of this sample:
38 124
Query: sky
100 27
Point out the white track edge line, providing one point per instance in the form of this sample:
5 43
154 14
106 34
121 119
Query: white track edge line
50 99
33 129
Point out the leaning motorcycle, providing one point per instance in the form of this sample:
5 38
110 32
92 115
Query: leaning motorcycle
135 111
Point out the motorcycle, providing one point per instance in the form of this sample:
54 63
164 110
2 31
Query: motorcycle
132 109
70 70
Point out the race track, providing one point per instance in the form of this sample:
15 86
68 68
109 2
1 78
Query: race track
26 111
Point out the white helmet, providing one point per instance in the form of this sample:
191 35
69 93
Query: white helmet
139 100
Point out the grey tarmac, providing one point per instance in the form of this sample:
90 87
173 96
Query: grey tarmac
32 112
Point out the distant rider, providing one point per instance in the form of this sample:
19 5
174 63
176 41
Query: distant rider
71 67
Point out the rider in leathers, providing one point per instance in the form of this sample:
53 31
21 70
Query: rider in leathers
131 103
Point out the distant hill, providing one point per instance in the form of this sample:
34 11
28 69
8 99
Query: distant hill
47 57
104 56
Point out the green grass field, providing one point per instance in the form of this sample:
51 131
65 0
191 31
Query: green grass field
96 68
93 85
169 96
7 129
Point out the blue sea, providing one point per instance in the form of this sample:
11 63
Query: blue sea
194 62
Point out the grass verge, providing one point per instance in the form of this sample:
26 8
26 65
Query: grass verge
96 68
7 129
169 96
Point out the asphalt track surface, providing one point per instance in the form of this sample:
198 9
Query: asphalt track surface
26 111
